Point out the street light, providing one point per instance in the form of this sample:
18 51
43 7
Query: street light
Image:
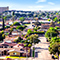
26 52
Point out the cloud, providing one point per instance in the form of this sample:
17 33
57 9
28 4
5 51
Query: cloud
41 1
51 3
36 6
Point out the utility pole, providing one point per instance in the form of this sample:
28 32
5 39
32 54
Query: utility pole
26 53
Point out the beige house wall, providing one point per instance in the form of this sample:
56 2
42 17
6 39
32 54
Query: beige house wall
12 53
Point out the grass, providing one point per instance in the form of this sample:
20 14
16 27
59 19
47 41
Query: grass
14 57
27 24
56 56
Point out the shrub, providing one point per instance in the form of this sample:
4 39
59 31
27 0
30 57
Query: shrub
38 28
22 35
18 40
20 27
7 26
29 45
56 56
16 23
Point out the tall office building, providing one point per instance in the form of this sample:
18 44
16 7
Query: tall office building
2 9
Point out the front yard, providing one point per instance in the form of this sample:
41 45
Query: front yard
14 57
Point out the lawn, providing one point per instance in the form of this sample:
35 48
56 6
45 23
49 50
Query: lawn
56 56
27 24
14 57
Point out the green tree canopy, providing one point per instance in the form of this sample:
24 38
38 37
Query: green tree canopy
5 18
16 23
33 39
21 19
51 32
2 35
18 40
55 48
29 31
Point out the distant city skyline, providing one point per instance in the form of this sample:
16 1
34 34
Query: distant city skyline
31 5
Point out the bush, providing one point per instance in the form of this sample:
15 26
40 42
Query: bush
2 31
35 29
22 41
57 27
56 56
22 35
25 45
7 26
18 40
29 45
16 23
2 36
20 27
38 28
26 36
37 32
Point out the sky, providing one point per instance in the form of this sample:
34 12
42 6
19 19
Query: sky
31 5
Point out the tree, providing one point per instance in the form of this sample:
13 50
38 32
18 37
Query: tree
33 39
52 24
55 19
29 31
21 19
25 45
18 40
51 32
20 27
5 18
58 22
11 31
48 16
2 35
49 20
16 24
55 48
3 24
13 15
37 23
7 26
29 45
57 27
55 39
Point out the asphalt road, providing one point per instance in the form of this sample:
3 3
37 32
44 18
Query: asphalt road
43 50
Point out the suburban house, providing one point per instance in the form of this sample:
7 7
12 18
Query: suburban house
45 26
13 49
58 25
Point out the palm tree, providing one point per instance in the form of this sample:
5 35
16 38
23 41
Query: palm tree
3 24
13 15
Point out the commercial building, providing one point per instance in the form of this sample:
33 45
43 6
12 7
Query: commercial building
2 9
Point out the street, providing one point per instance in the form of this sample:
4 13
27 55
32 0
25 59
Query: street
43 50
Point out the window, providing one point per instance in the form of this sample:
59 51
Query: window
14 53
0 46
11 46
5 46
21 50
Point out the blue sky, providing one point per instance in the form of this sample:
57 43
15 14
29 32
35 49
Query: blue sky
31 4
